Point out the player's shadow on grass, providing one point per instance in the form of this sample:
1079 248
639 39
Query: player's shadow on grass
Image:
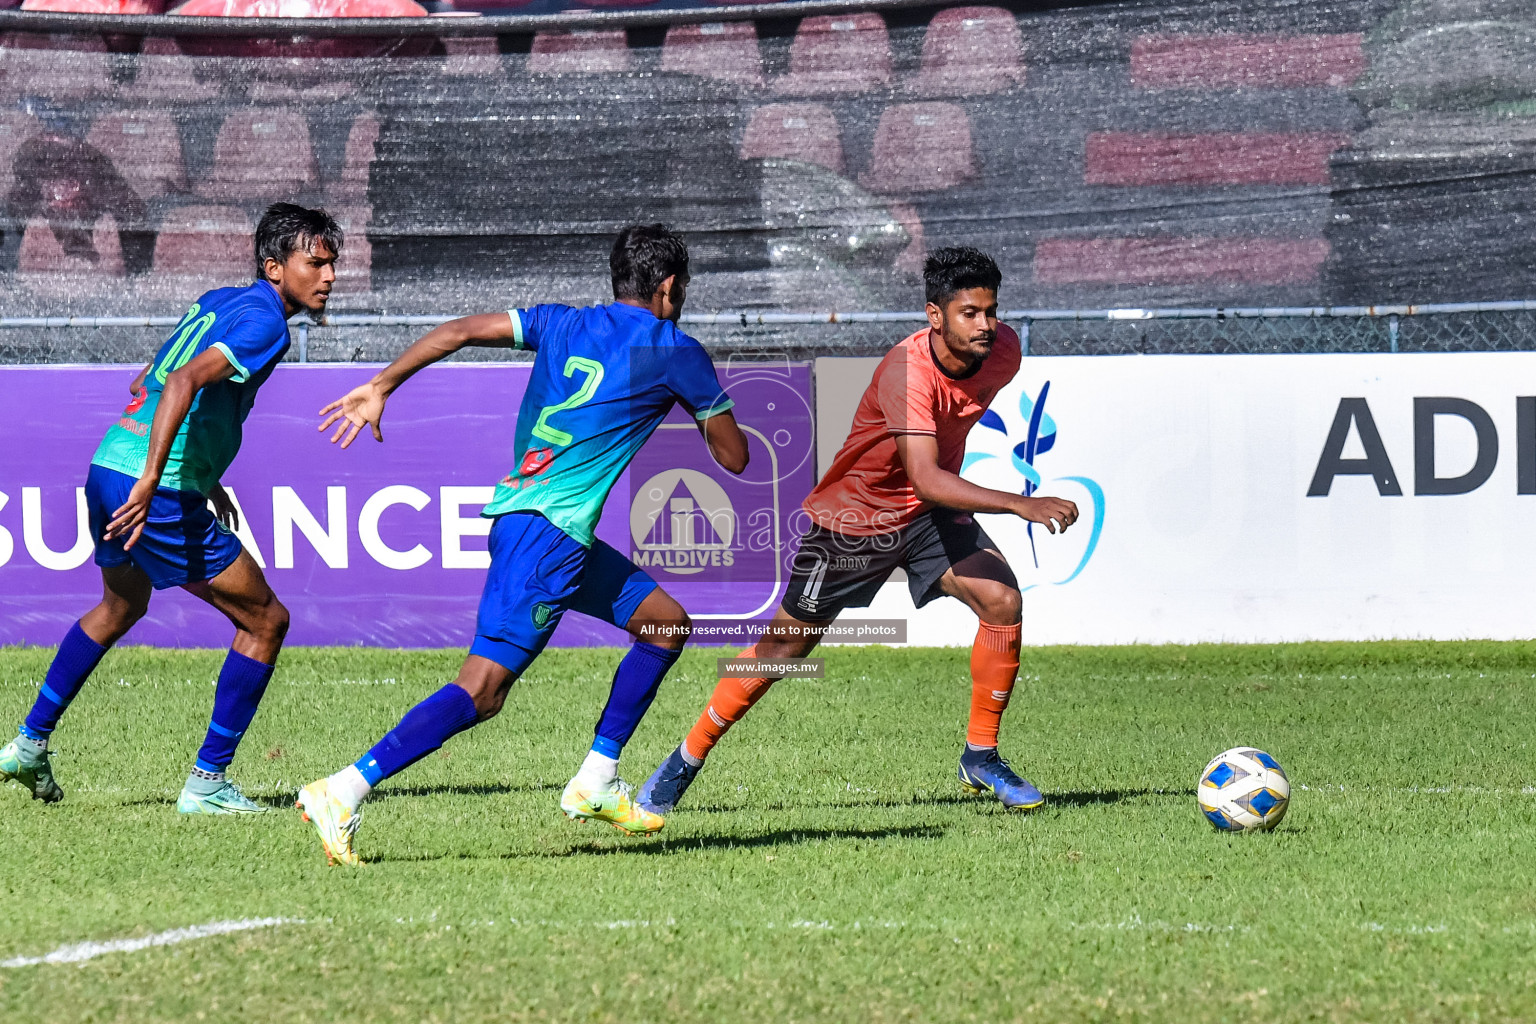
468 789
1089 798
779 837
1084 798
664 847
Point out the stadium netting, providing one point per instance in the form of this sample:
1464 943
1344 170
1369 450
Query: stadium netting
1308 152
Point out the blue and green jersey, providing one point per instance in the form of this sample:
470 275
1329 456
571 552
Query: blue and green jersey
248 326
604 378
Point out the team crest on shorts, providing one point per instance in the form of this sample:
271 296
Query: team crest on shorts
541 614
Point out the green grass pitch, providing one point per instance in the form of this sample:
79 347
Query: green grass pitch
826 866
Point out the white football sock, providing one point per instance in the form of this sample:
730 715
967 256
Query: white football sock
598 771
349 786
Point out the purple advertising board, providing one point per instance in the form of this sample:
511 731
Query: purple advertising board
382 544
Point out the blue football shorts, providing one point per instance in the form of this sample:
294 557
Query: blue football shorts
182 541
538 573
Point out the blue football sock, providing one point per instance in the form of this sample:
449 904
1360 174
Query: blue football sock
76 659
424 728
635 684
242 681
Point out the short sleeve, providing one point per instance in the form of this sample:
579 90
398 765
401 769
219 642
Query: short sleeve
691 377
253 344
529 325
906 395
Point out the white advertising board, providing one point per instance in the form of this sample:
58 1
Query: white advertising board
1261 498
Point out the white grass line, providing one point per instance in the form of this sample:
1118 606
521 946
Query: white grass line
79 952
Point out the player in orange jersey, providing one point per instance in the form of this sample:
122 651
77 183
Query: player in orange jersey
893 497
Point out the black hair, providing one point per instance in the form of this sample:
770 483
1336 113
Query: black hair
286 229
956 268
644 255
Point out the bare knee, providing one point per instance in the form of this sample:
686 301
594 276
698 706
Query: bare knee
487 684
661 621
999 605
123 611
271 626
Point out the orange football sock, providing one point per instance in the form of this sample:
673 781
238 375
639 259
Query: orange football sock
731 700
994 667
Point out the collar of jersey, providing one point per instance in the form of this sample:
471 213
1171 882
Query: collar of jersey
616 304
973 371
273 294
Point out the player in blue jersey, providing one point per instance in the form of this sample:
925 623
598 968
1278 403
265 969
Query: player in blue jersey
148 492
603 379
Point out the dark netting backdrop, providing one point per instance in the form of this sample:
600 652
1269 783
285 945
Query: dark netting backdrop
1294 152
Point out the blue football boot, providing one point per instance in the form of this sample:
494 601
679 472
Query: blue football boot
986 771
668 783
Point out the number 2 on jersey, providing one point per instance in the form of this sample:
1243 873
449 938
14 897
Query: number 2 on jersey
594 376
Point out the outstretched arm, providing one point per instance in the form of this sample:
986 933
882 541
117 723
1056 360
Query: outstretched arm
181 386
936 485
364 405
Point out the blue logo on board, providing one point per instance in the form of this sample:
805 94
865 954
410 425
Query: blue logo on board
1034 434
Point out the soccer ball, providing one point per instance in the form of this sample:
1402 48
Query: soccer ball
1243 790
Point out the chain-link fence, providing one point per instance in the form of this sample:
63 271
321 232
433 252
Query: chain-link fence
1465 327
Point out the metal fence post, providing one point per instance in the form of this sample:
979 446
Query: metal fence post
1024 336
304 343
1392 331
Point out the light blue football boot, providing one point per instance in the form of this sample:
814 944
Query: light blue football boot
226 799
33 773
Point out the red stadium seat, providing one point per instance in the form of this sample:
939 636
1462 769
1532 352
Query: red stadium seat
58 67
726 50
352 186
474 56
580 51
145 148
836 55
206 241
15 128
97 6
261 154
970 51
42 253
807 132
920 147
354 271
165 73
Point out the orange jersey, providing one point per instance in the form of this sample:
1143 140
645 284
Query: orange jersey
866 490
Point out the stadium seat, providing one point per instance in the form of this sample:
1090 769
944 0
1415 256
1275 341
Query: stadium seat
205 241
145 148
970 51
354 271
96 6
261 154
723 50
352 186
15 128
1163 260
920 147
807 132
580 51
837 55
472 56
42 253
58 67
1231 61
165 73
